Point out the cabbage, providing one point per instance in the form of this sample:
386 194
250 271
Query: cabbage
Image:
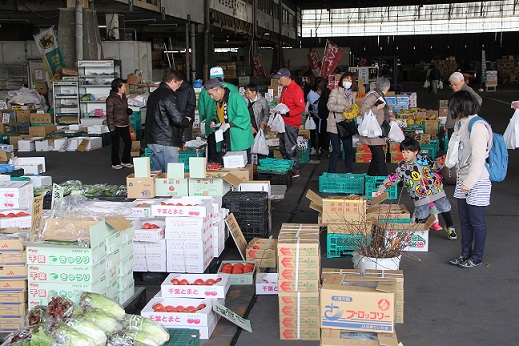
135 322
88 328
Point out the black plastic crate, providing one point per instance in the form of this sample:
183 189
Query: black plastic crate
277 179
250 233
245 202
249 223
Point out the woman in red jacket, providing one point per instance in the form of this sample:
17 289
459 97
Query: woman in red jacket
119 123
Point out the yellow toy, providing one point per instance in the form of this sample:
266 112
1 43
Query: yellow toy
355 109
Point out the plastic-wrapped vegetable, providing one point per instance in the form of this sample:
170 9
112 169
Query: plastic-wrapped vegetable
88 328
37 315
37 337
121 340
106 322
68 336
100 302
137 336
60 307
136 322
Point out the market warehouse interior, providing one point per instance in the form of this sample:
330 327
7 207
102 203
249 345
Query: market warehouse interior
237 239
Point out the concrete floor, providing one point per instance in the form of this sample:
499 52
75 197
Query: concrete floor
444 305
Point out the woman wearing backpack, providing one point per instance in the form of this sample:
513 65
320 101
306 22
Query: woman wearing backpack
473 184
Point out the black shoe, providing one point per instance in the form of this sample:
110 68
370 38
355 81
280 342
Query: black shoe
458 260
470 263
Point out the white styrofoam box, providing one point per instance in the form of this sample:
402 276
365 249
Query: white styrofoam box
43 145
188 233
189 246
76 127
31 169
202 316
151 256
186 223
235 159
267 283
143 232
93 143
18 221
141 207
59 143
16 194
97 129
218 290
183 206
26 145
40 180
92 121
5 177
215 200
255 186
189 263
218 238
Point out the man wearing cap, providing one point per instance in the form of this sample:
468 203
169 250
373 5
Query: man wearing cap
292 96
164 122
232 117
207 112
457 82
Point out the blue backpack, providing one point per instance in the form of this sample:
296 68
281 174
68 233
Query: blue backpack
497 161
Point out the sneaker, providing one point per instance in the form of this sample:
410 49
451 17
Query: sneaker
295 175
457 261
117 166
451 233
470 263
127 165
436 227
313 151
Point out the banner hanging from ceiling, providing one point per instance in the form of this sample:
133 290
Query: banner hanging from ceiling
332 55
314 61
258 66
47 42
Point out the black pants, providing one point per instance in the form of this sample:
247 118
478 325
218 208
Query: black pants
324 139
121 133
377 166
212 154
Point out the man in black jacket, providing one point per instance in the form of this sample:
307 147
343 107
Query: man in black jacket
186 106
164 122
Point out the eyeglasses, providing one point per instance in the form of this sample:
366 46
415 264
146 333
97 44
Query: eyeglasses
455 84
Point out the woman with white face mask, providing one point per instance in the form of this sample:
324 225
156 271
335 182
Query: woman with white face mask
341 101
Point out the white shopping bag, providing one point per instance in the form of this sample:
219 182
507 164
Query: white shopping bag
369 126
395 133
260 144
451 159
511 134
310 123
278 124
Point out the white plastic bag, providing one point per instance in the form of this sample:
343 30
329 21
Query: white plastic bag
511 134
260 144
281 108
310 123
440 84
426 84
369 126
278 124
451 159
395 133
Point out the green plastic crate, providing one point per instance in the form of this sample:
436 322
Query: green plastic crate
339 245
183 337
341 183
184 155
430 150
274 166
400 221
373 182
304 156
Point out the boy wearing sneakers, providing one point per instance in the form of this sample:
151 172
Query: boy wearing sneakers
425 187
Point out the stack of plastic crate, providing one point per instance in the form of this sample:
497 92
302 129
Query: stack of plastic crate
251 210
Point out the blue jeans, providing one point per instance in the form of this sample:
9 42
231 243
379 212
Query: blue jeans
347 143
473 230
162 155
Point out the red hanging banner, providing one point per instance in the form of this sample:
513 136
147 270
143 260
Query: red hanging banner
258 66
314 62
331 58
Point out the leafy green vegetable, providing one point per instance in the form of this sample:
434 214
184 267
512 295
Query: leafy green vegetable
88 328
100 302
135 322
68 336
107 323
139 336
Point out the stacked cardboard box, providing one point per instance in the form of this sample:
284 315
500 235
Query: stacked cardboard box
16 204
68 269
447 67
13 283
188 233
265 257
149 244
506 69
299 265
394 151
354 303
363 154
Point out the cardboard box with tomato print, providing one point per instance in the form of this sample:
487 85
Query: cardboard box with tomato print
242 273
20 218
186 285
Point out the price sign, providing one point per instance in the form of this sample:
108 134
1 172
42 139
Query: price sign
57 198
232 316
237 234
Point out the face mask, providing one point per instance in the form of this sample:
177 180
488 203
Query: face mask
347 85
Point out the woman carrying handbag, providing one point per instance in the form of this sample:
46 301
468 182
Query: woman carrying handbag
341 101
375 102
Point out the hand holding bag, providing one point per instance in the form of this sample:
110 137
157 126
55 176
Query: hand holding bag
370 127
260 144
395 133
278 124
451 160
310 123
